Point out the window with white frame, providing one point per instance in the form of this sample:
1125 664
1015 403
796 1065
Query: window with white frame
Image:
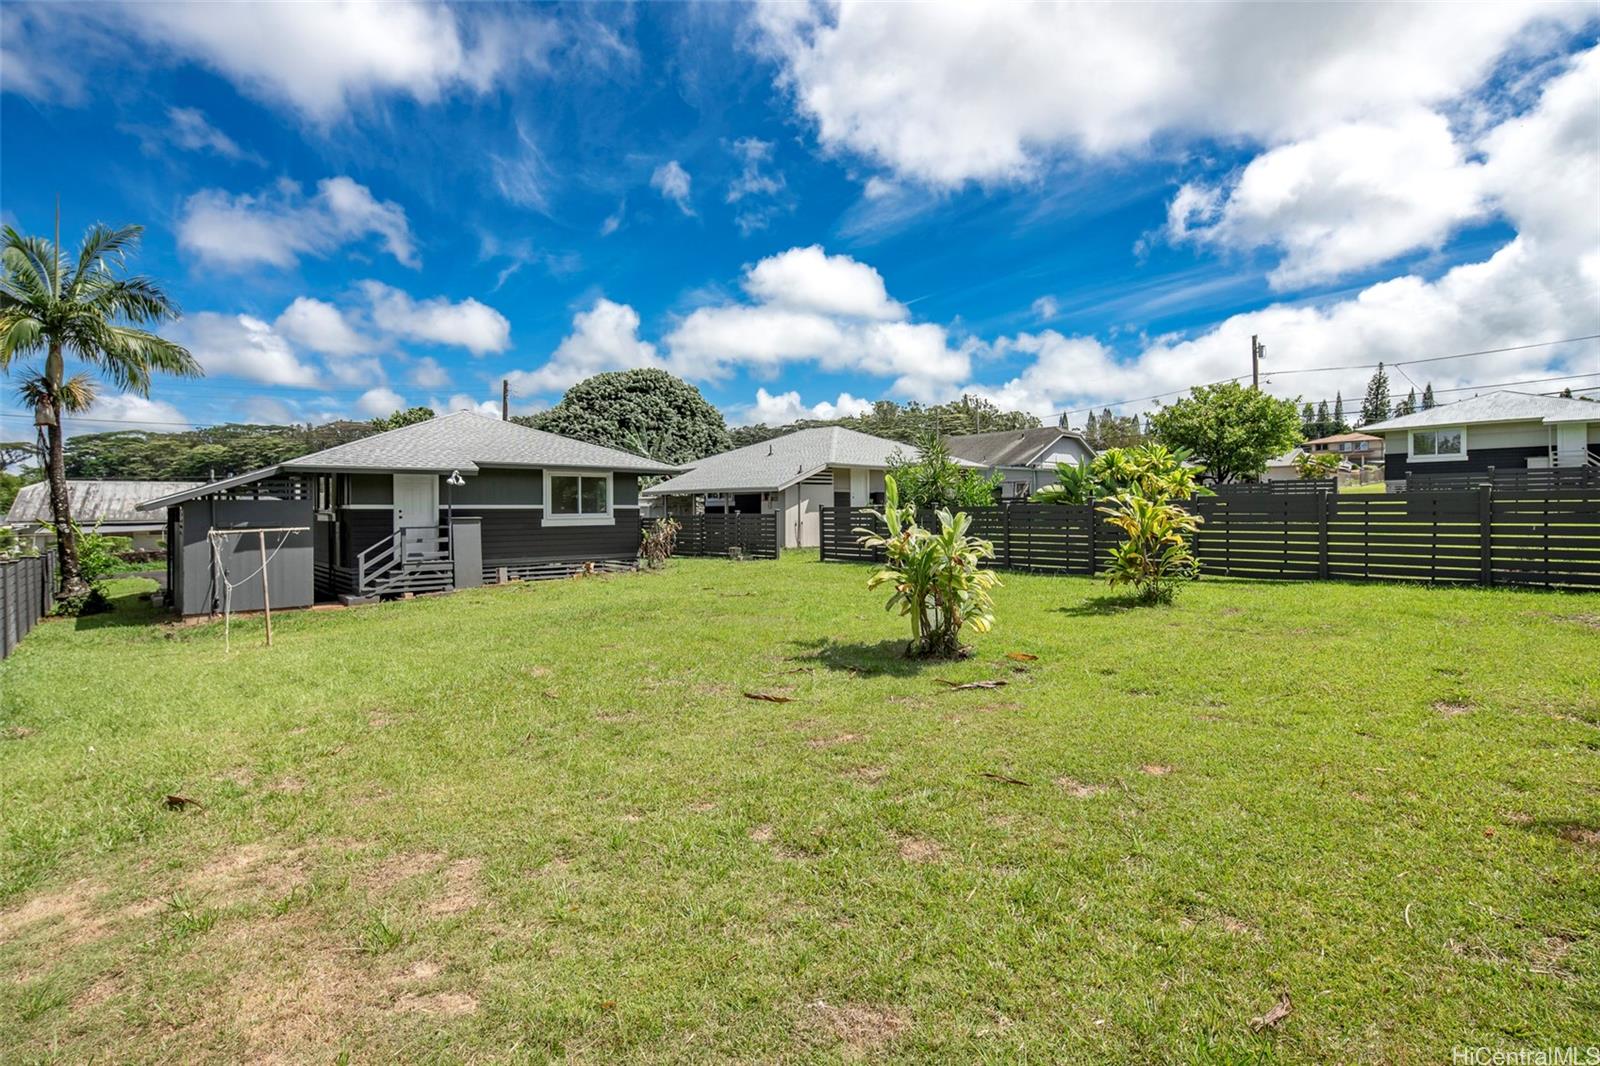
1439 443
577 497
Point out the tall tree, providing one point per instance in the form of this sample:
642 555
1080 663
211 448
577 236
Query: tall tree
1326 426
1408 405
1375 408
1427 396
647 412
1339 424
409 417
1308 421
1231 429
52 307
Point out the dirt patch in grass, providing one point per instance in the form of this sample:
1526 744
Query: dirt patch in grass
101 990
399 868
69 911
920 849
1078 790
835 740
1452 708
761 834
1582 835
867 775
460 892
248 872
859 1026
1592 621
703 807
289 786
1156 769
448 1003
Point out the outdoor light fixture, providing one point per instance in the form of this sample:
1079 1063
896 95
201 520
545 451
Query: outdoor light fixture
451 482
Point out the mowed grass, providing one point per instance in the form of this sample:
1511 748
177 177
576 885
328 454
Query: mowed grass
543 821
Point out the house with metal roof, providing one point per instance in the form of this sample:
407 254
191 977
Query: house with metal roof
1503 429
448 503
792 476
110 506
1025 459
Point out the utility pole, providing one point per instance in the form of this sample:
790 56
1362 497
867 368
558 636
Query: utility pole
505 399
1258 352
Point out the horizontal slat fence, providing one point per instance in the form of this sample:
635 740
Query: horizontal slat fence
27 594
1292 487
1509 480
1478 536
713 534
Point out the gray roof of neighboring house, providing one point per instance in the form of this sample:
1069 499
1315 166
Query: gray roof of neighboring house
1501 406
463 441
1012 447
112 502
780 462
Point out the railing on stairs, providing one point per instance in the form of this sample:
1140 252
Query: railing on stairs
411 559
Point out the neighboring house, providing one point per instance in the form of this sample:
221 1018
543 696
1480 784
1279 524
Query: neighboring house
448 503
1025 459
1505 430
792 476
113 506
1282 467
1358 448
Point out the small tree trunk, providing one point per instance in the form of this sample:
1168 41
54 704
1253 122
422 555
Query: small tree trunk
72 583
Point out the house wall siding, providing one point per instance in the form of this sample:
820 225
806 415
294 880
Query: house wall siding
1395 464
511 536
291 570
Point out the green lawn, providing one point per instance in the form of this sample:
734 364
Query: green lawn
543 821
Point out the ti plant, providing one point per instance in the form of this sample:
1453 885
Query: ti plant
1157 555
937 578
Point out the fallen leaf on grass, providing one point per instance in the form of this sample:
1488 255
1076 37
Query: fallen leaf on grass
1274 1017
1002 778
1021 656
176 802
768 697
956 686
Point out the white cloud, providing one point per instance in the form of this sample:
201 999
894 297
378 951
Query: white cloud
523 176
426 373
833 311
786 407
127 410
376 403
188 129
672 182
1046 307
320 327
242 346
278 226
605 337
808 279
949 93
355 372
268 410
469 324
462 402
613 221
755 188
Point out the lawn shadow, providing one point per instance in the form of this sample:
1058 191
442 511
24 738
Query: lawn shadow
131 605
886 657
1099 605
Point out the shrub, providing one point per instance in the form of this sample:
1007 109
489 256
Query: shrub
1156 556
98 559
1153 471
659 541
938 579
934 480
1314 465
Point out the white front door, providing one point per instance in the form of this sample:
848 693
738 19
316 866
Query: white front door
416 510
1572 444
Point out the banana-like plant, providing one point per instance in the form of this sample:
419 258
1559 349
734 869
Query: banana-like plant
1157 555
938 579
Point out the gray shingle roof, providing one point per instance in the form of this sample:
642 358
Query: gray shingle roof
780 462
112 502
1013 447
1501 406
466 440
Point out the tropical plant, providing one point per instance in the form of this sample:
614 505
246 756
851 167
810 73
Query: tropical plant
1156 555
938 579
1311 465
659 541
1230 429
934 480
1153 471
52 307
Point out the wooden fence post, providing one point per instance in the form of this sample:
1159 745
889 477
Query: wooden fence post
1005 534
1324 501
1093 521
1485 533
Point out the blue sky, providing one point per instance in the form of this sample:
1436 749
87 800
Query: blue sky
803 208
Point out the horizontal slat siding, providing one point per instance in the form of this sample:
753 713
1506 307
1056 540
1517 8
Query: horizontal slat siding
1547 538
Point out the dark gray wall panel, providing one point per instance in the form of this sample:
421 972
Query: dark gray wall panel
291 569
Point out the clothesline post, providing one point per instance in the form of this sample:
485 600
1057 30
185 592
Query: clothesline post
266 585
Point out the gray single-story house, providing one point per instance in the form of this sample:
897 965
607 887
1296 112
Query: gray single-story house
791 476
1505 430
1025 459
110 506
452 502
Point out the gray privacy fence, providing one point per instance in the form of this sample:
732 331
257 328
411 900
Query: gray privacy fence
1514 480
1478 536
756 535
27 594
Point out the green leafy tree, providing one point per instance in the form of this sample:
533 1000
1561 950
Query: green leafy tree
937 579
1157 554
53 307
646 412
1312 465
409 417
1230 429
933 479
1113 431
1406 406
1427 396
1375 408
1308 421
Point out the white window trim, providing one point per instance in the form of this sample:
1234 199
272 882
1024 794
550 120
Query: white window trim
1411 445
607 519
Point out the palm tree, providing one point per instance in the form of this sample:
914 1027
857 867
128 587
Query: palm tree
51 307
